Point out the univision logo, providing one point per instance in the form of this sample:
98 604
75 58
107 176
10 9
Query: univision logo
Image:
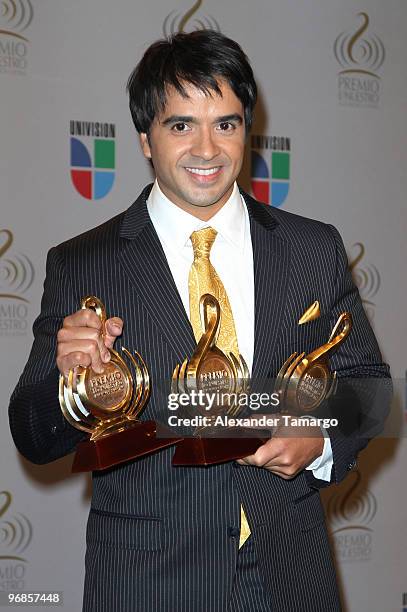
15 537
16 277
92 158
367 279
15 17
360 55
270 168
350 515
176 22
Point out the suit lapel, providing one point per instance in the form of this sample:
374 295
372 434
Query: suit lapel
146 266
271 257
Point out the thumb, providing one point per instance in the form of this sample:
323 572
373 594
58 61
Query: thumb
113 328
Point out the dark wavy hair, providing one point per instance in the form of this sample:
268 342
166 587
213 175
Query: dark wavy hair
200 58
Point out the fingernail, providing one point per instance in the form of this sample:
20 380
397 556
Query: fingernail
106 356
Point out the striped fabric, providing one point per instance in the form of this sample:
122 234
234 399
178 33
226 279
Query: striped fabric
163 538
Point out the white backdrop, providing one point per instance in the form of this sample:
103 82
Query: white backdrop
342 106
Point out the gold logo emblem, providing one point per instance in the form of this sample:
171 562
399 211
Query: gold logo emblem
350 514
366 277
176 22
360 52
15 531
16 271
15 17
356 508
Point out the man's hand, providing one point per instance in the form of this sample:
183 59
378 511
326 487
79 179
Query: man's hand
290 450
80 341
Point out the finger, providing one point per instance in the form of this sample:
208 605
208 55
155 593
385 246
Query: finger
245 460
286 475
257 458
283 471
266 453
69 334
71 361
88 347
68 337
252 461
113 329
83 318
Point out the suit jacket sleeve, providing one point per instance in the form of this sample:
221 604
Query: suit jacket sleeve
38 427
362 401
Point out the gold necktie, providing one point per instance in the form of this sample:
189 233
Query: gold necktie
203 278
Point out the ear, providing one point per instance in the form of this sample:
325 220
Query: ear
145 146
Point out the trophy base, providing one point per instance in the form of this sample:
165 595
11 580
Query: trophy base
212 450
117 448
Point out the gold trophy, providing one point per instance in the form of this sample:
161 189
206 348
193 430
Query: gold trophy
211 371
107 406
305 381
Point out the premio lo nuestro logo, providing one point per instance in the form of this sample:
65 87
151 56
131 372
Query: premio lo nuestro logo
16 277
92 158
366 277
15 18
15 538
360 55
270 168
351 513
182 22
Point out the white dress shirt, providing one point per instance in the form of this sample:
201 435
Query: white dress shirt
232 257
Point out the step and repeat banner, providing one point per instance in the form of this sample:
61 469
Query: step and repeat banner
329 142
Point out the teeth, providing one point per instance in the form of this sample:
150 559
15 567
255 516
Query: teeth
203 172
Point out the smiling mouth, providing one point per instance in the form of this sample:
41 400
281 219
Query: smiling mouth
204 171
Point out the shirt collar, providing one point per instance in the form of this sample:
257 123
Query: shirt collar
174 225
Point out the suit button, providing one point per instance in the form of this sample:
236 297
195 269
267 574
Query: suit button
233 532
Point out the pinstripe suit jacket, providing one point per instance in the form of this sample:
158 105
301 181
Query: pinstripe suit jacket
161 538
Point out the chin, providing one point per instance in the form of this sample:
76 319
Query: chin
207 199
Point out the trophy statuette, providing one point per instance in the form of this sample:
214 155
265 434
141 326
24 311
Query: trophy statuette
107 406
212 371
305 381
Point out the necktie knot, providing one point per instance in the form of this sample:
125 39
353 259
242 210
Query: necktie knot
202 241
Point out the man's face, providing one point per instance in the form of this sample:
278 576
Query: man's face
196 145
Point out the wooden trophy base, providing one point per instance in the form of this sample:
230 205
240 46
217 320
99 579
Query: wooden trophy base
131 443
212 450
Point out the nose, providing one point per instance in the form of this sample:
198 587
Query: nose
205 145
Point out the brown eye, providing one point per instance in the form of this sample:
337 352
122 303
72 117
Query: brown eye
180 127
226 126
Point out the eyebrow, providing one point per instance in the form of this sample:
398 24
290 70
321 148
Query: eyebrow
190 119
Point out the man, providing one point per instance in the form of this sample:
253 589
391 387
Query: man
164 538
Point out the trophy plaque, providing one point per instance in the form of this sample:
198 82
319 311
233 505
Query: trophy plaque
305 381
211 371
106 406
